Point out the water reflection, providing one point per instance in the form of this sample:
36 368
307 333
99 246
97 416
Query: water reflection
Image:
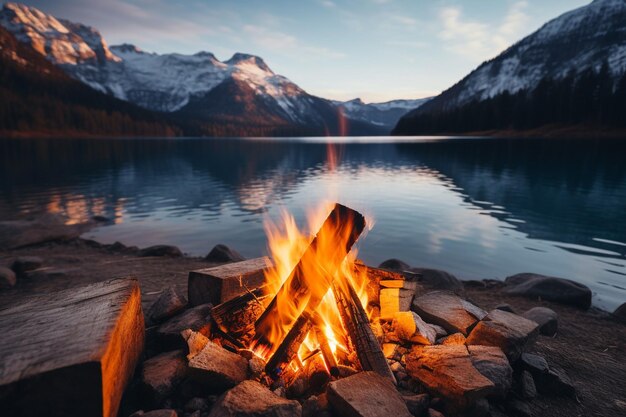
479 208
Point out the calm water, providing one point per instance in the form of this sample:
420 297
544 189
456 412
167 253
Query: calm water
479 208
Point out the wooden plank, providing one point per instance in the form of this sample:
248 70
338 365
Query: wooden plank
72 352
222 283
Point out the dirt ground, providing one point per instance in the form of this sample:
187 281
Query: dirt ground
589 346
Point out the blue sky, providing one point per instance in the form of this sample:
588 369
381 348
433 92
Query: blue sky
374 49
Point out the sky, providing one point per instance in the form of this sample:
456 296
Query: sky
377 50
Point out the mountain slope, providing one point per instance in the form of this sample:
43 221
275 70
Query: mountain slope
40 99
385 115
572 43
196 87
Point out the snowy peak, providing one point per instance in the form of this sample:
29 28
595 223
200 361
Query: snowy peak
61 41
240 60
384 114
126 48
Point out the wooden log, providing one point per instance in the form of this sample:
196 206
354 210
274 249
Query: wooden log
360 333
72 352
236 317
288 348
341 230
316 373
327 353
222 283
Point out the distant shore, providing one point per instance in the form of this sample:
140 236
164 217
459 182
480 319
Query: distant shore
548 132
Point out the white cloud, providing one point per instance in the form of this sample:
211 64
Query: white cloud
269 39
478 40
328 3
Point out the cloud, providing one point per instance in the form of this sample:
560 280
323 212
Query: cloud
327 3
269 39
478 40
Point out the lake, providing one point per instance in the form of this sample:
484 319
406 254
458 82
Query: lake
478 208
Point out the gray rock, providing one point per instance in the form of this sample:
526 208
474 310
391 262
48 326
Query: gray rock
161 374
439 280
222 254
620 313
46 228
517 408
366 394
24 264
7 278
508 331
197 319
527 386
169 303
217 368
395 265
560 290
548 381
492 363
545 317
251 399
447 310
161 250
256 366
417 403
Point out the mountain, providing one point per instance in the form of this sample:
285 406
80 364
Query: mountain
38 98
197 89
385 115
573 44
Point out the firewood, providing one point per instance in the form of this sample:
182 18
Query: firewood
70 352
288 348
236 317
327 353
222 283
317 375
342 227
360 333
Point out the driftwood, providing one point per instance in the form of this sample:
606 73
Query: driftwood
342 227
236 317
70 353
359 331
222 283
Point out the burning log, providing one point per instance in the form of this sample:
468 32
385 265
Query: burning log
360 333
327 353
288 349
316 374
236 317
339 232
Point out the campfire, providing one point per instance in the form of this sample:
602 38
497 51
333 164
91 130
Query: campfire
309 322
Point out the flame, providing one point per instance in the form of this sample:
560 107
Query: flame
287 244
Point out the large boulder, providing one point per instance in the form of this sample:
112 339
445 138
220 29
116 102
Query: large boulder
447 371
217 368
546 318
366 394
251 399
161 374
560 290
169 303
7 278
222 254
161 250
447 310
492 363
439 280
508 331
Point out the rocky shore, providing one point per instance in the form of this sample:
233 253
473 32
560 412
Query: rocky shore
574 365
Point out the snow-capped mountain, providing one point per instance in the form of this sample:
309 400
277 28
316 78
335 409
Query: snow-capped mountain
573 42
185 84
384 114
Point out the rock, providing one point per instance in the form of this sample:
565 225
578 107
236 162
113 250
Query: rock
46 228
315 406
508 331
7 278
24 264
447 310
222 254
517 408
620 313
448 371
548 381
546 318
169 303
197 319
160 413
394 300
251 399
527 385
197 404
161 374
440 331
216 368
395 265
161 250
256 366
196 341
409 327
417 403
560 290
366 394
439 280
454 339
492 363
505 307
